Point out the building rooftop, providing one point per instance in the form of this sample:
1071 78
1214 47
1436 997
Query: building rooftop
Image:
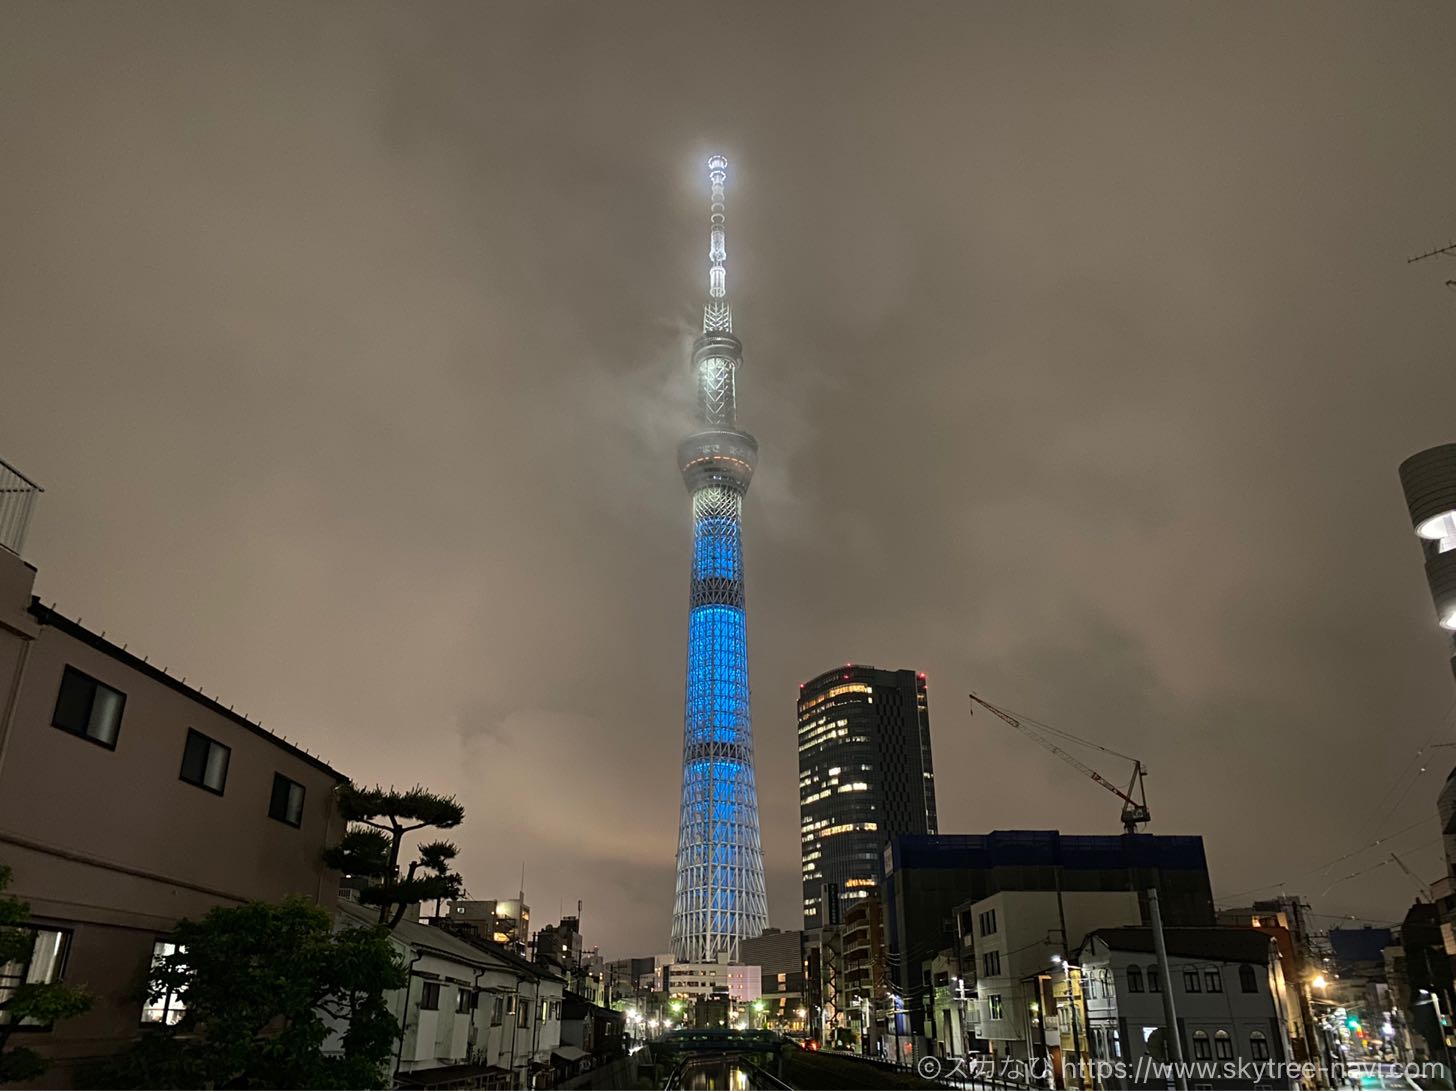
1360 944
49 617
1045 848
1220 944
450 944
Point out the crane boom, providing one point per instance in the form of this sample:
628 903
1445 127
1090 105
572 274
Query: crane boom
1134 811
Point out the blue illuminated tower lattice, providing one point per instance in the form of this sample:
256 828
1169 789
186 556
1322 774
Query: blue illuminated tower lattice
720 893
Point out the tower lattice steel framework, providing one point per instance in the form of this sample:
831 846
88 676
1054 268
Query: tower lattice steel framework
720 892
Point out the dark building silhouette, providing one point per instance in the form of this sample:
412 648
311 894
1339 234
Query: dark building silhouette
927 877
865 776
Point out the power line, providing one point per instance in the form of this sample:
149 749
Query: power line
1328 864
1430 743
1374 866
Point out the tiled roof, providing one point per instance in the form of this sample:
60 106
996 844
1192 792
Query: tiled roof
1220 944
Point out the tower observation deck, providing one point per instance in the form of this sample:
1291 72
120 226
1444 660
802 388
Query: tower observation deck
720 896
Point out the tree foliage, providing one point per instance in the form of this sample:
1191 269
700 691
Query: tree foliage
44 1003
371 848
261 985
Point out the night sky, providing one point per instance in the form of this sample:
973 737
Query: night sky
350 344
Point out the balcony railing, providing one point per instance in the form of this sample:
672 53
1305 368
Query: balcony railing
17 500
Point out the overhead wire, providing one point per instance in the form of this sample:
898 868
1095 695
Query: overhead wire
1324 867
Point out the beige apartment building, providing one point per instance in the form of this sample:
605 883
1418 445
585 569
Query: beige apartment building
129 800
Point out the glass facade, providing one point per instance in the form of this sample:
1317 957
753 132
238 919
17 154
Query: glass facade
865 776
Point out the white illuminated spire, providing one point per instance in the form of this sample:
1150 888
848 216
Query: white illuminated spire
717 316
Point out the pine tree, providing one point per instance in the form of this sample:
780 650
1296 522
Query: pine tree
372 846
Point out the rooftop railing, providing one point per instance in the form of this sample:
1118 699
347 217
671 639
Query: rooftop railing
17 501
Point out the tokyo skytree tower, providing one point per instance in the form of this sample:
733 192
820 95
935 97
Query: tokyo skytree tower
720 892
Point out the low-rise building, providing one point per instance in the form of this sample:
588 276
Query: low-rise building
745 983
1009 943
927 877
1302 962
780 958
591 1028
864 979
474 1014
1226 984
130 799
693 979
506 921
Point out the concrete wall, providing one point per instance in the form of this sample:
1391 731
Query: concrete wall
1028 933
1238 1013
110 844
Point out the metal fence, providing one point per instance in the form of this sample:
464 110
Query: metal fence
17 500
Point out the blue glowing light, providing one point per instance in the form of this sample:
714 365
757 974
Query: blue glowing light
717 686
717 550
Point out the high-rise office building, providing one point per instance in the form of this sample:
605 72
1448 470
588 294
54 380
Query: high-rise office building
1429 481
865 776
720 896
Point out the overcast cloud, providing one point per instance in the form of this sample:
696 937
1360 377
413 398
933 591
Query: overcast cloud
350 343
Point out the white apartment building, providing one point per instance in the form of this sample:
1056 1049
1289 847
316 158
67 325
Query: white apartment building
1008 951
1226 985
693 979
470 1012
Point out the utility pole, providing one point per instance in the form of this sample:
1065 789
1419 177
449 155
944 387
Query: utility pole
1066 961
1174 1040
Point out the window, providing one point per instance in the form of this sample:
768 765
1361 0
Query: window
523 1015
1190 982
991 960
43 966
1246 979
987 923
1258 1046
430 996
994 1003
286 803
1223 1046
462 1001
89 709
1134 979
1213 980
1201 1052
168 1008
205 762
498 1011
1155 985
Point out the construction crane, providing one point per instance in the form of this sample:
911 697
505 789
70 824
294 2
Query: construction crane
1134 808
1448 250
1420 883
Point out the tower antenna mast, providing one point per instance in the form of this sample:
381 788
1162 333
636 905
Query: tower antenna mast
720 898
